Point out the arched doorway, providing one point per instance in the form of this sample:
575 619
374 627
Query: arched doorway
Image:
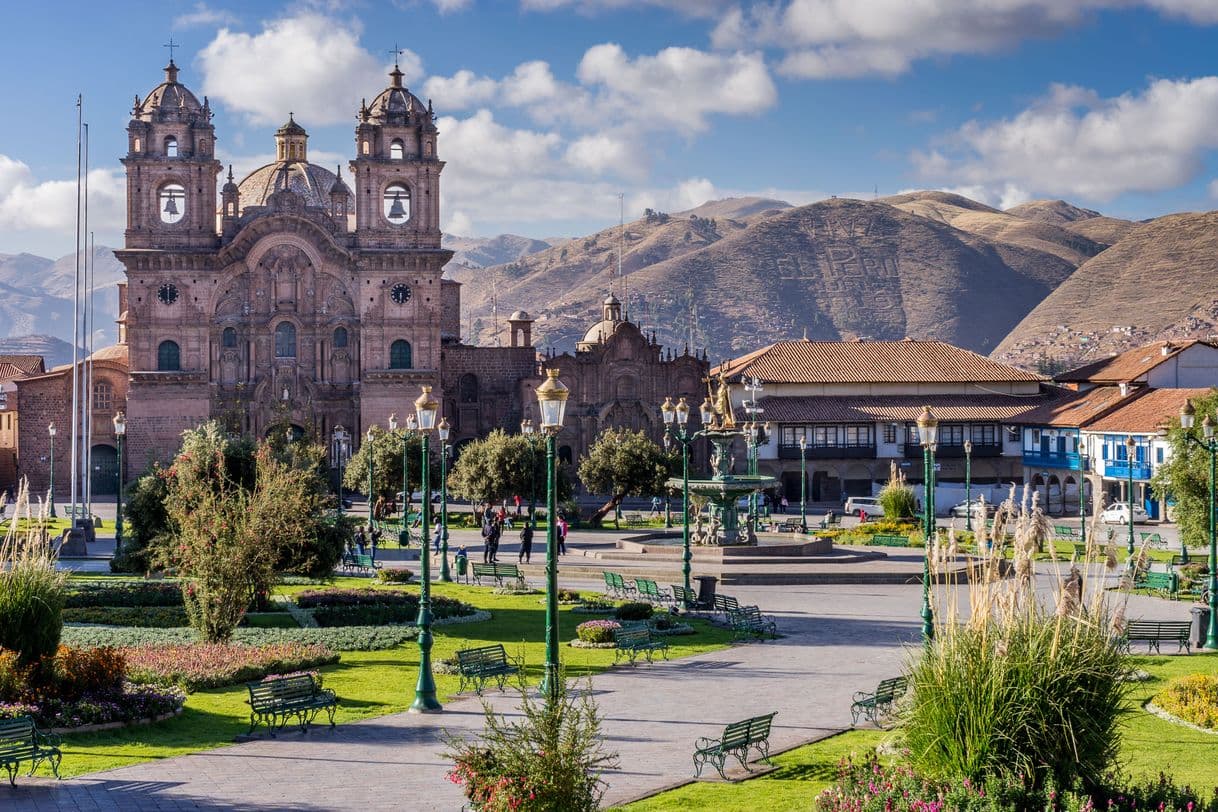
104 476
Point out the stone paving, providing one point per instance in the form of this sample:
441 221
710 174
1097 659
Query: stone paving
838 639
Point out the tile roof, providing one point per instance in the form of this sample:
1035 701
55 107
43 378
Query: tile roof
1148 412
15 366
1129 365
905 361
854 409
1076 409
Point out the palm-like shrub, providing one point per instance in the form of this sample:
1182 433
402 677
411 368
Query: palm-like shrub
897 498
31 589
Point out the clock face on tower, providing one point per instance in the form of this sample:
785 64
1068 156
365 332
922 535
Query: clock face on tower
168 293
401 293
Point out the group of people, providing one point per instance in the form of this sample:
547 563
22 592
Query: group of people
365 541
495 521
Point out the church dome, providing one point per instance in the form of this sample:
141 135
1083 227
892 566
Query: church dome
396 105
312 182
600 332
170 101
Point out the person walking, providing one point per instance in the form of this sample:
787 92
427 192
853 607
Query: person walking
492 543
435 542
374 535
517 500
488 523
360 539
526 543
562 535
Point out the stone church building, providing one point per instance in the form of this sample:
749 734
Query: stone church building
313 298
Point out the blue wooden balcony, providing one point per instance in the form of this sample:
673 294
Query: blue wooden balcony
1050 459
1119 469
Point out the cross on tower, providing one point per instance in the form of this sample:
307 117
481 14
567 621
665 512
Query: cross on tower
395 53
171 45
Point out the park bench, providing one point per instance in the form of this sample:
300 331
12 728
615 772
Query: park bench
1153 540
354 562
1153 632
277 699
623 586
635 640
726 604
736 740
1180 559
1167 583
883 540
834 520
749 622
611 582
21 740
498 572
1080 550
786 526
876 704
687 598
1064 532
478 665
649 590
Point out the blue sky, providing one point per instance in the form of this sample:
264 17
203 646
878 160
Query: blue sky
548 108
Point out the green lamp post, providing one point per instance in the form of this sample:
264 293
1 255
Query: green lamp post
1131 446
371 465
51 434
342 449
1210 444
552 400
407 431
928 433
803 483
425 407
120 433
968 485
676 426
1082 490
530 432
443 430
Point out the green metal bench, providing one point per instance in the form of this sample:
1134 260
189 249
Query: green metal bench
687 598
22 741
1180 559
633 641
1064 532
1167 583
1154 632
276 700
749 622
649 590
874 705
736 741
1153 540
498 572
786 526
831 521
882 540
726 604
478 665
360 563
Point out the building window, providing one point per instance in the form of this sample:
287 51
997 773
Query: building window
340 337
1159 455
171 203
890 432
399 355
228 338
396 203
984 434
285 340
951 434
168 357
171 147
847 436
103 397
467 388
396 151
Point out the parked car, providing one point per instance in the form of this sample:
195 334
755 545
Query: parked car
417 497
1118 513
863 506
962 509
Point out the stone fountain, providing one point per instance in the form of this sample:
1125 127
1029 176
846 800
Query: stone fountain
723 490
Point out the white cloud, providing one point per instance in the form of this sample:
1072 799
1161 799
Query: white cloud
29 205
447 6
1074 143
602 152
203 15
309 64
459 225
1214 188
461 91
691 8
1197 11
479 146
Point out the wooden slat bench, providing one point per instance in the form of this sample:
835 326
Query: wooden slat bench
1166 583
498 572
478 665
22 741
687 598
736 741
649 590
831 521
786 526
276 700
883 540
749 622
635 640
1154 632
1180 559
726 604
876 704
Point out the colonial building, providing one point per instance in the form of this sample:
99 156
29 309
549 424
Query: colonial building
12 368
854 404
1158 365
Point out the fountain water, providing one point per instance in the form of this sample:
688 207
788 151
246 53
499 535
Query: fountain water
723 490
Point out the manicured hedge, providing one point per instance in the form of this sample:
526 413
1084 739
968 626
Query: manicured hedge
350 638
124 593
159 617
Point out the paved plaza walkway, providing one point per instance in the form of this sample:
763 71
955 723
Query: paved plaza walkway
838 639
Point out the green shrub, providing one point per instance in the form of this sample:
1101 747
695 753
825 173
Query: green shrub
159 617
597 631
363 596
1193 698
350 638
394 575
634 611
146 520
31 594
123 593
402 608
898 501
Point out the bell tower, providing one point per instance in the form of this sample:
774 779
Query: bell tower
171 169
396 171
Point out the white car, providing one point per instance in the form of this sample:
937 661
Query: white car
961 509
862 506
1118 513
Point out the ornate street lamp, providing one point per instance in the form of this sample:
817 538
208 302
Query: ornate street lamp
552 400
1131 446
803 484
425 701
928 433
51 434
530 432
443 430
342 441
755 434
120 433
968 485
371 465
676 426
1210 444
407 431
1082 490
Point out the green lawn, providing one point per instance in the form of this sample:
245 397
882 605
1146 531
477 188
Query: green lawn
368 683
1149 745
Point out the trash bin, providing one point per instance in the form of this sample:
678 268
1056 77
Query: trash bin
706 590
462 563
1201 625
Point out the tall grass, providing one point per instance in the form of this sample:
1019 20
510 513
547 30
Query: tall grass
31 588
1016 684
897 498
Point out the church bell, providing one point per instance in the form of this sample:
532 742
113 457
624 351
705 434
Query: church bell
397 211
171 206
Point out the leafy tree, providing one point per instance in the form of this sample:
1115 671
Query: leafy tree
385 451
503 465
623 463
1185 477
145 519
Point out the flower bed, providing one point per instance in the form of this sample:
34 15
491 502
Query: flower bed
366 596
124 593
133 703
1193 698
398 612
597 631
157 617
203 665
350 638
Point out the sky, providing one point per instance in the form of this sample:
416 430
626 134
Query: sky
548 109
